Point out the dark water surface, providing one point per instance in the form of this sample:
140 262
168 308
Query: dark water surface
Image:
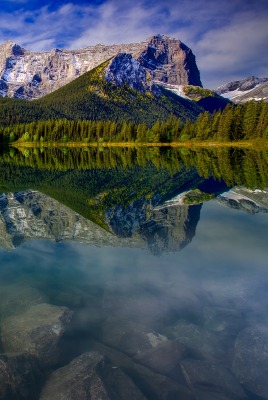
110 260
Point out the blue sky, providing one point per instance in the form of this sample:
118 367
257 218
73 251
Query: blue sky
228 37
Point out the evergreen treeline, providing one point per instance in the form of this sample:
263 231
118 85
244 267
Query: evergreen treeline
64 130
233 166
234 123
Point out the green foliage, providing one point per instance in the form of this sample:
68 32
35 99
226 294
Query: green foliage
105 178
196 197
234 123
63 131
196 92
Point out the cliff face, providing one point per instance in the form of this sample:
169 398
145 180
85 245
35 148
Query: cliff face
30 75
165 229
170 61
125 69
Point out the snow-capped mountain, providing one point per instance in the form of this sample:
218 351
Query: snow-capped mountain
251 88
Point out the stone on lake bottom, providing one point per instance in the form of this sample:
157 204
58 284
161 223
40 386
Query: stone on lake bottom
250 362
211 378
90 377
201 342
20 377
37 331
17 298
164 358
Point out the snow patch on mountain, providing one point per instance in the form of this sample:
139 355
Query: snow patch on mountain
251 88
176 89
236 93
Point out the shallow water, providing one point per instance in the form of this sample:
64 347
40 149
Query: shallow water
194 276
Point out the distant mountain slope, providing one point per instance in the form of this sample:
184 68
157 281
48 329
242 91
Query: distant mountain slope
103 93
120 89
205 98
260 92
31 75
251 88
241 198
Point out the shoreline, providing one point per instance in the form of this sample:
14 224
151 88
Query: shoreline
189 144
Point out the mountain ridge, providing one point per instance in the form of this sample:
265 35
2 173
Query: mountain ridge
92 97
30 75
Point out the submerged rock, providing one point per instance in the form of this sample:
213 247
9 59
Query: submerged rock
154 385
202 343
224 321
16 298
212 379
20 377
164 358
203 394
130 337
250 363
90 377
37 331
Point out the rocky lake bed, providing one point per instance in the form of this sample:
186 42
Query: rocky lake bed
118 345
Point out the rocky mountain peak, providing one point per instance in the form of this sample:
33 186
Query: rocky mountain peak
11 48
30 214
162 58
170 61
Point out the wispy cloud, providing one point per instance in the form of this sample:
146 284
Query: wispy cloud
229 38
236 49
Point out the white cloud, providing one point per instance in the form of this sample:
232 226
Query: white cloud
237 48
228 38
115 23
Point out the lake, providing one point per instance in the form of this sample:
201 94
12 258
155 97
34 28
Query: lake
133 274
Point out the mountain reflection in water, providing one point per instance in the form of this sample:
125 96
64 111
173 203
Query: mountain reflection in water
123 275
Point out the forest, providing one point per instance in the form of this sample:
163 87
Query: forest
234 123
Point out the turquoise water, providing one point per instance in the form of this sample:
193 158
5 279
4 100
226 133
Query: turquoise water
193 277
